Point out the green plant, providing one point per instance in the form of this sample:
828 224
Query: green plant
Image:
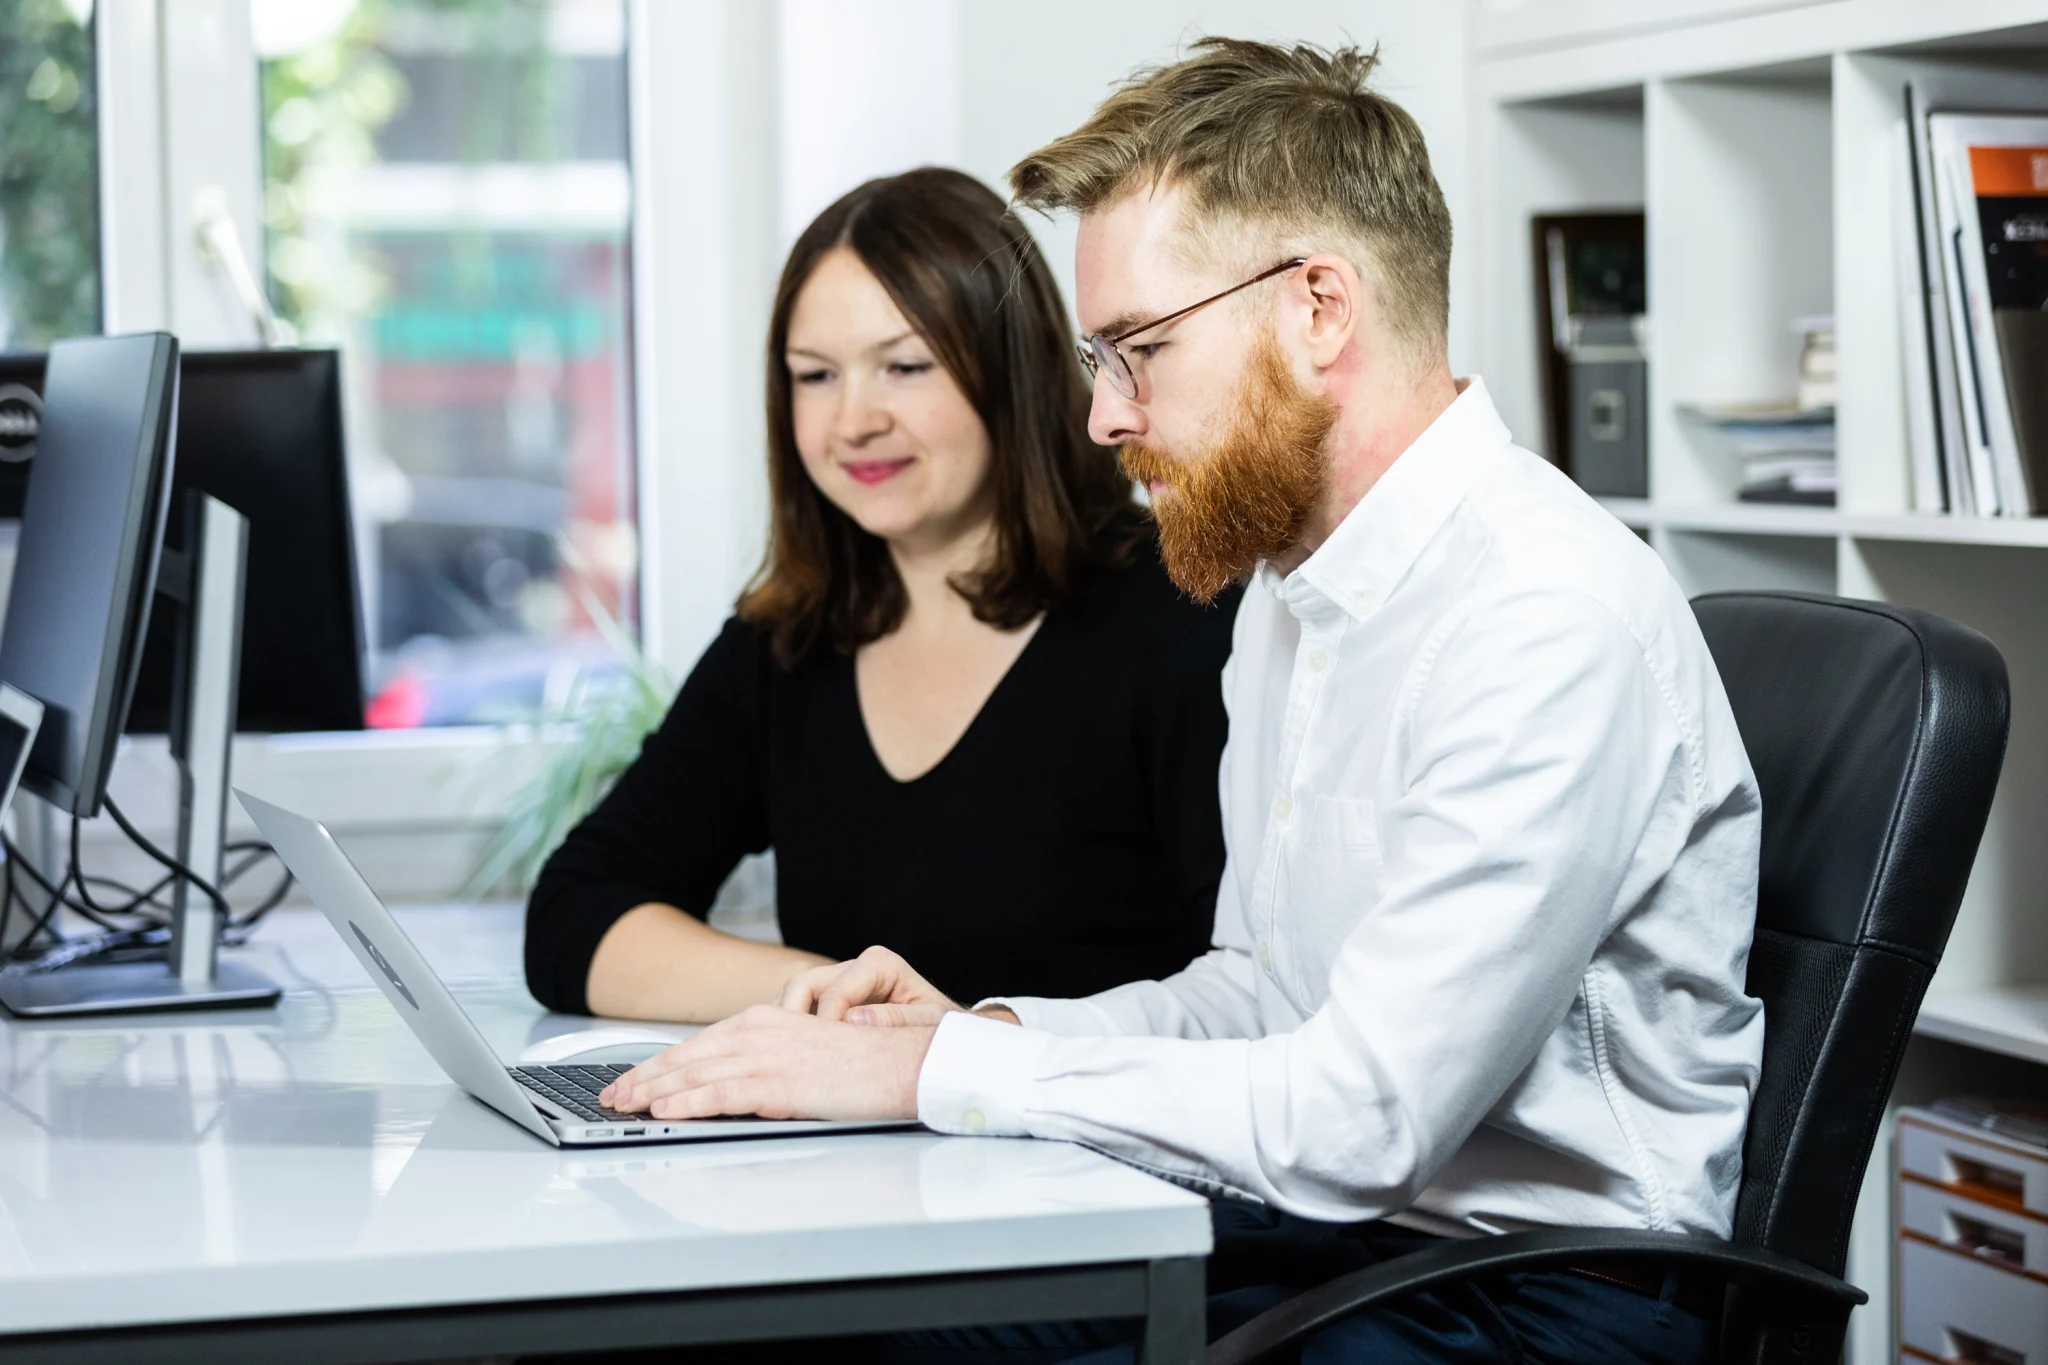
49 196
598 729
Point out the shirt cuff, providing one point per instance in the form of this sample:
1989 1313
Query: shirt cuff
1068 1018
976 1076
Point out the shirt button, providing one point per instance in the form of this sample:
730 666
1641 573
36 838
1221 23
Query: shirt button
1282 808
975 1120
1318 661
1266 959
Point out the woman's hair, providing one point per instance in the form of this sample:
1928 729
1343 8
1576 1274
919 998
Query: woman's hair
966 274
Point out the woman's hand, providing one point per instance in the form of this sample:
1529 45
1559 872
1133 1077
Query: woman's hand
878 987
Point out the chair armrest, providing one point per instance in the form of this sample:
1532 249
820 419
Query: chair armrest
1548 1249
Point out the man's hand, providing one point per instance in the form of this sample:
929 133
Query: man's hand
780 1065
878 987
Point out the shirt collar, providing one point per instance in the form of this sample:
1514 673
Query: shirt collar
1373 547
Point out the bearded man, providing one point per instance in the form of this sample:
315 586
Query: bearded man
1481 940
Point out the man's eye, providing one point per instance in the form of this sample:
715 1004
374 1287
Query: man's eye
1147 349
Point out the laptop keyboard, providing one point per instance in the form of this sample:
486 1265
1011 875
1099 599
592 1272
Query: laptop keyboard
574 1088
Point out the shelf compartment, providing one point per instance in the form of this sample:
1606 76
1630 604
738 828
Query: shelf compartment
2009 1020
1764 519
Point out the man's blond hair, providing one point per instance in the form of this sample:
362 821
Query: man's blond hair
1285 145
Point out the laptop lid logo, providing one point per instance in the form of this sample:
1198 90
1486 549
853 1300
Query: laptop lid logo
382 965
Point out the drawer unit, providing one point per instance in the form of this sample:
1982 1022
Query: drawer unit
1973 1244
1987 1168
1957 1307
2014 1241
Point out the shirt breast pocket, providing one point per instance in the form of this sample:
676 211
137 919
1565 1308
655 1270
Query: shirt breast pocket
1338 824
1337 874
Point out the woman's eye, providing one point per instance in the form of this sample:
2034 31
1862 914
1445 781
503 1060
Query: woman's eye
904 369
809 377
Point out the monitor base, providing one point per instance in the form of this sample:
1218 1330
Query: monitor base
130 988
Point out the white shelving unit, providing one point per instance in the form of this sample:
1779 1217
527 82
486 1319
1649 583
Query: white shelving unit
1756 135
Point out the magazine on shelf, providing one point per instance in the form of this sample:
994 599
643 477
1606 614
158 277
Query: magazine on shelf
1994 180
1994 485
1997 167
1939 336
1937 349
1931 492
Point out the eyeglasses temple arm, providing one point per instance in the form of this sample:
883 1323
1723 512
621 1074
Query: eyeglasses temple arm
1122 337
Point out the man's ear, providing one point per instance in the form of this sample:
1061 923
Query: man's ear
1328 300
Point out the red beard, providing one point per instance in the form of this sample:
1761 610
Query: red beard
1248 497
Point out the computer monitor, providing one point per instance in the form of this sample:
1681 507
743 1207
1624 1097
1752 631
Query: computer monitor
86 561
261 431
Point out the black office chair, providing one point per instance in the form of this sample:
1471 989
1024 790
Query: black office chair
1876 733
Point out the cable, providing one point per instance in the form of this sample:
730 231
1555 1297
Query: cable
91 909
142 903
6 904
41 921
141 841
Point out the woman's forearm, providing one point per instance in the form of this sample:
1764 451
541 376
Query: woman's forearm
658 963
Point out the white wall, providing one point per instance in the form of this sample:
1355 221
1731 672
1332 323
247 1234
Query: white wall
1029 73
869 87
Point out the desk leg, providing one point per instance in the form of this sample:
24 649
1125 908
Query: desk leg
1176 1313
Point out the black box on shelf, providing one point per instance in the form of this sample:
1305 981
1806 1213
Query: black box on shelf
1608 440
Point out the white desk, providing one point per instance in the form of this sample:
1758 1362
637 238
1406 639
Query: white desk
303 1184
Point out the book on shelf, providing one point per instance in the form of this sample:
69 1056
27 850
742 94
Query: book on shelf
1936 349
1996 167
1972 238
1782 452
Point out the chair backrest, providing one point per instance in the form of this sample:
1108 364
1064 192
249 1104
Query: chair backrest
1876 733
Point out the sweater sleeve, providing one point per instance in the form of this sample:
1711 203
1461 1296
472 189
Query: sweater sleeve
672 828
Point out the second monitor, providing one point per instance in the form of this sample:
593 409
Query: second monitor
261 431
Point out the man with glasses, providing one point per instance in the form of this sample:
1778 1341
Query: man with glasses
1492 837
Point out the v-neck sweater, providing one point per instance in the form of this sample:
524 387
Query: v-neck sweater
1071 840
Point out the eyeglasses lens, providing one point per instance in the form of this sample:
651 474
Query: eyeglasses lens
1110 361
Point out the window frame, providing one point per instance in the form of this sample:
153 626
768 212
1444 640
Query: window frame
179 110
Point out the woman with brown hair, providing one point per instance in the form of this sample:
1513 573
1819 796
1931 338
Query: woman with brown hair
960 700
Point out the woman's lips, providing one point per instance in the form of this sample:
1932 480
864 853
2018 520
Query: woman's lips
872 472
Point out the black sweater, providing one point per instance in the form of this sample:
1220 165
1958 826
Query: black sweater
1071 841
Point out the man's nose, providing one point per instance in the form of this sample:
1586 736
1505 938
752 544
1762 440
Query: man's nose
1112 418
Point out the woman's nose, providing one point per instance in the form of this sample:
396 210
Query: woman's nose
861 417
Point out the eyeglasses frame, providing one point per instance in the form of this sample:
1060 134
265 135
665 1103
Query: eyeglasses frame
1096 350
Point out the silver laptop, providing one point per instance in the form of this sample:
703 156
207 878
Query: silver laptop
557 1103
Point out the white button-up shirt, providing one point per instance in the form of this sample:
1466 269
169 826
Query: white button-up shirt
1492 861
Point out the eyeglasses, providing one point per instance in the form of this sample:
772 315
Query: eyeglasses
1104 355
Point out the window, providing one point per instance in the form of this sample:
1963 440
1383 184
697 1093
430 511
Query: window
447 198
49 194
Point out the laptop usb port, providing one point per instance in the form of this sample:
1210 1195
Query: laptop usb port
632 1132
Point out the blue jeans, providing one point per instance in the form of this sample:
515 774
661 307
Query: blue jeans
1263 1258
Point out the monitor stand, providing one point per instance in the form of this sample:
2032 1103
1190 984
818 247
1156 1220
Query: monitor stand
203 585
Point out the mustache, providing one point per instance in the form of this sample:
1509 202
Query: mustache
1143 464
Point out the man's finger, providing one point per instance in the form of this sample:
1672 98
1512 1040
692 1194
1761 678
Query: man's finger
747 1094
896 1016
860 983
692 1075
720 1039
800 992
